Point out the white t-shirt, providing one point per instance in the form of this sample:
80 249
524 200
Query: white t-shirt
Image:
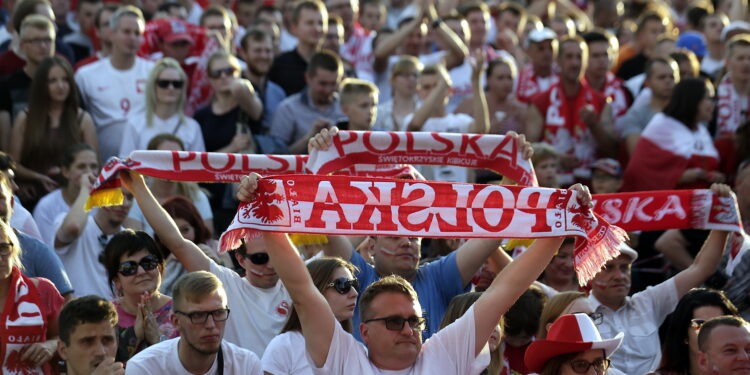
45 213
450 351
201 204
137 134
285 355
112 96
22 220
163 358
81 260
451 123
257 314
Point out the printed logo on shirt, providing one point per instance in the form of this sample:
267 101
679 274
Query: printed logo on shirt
283 308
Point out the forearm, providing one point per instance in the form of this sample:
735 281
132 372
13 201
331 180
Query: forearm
299 146
74 221
456 50
604 134
428 106
249 102
481 123
472 254
705 263
389 44
339 246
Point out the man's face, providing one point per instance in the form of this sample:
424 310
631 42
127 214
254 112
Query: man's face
128 36
334 37
116 215
259 55
37 44
662 80
738 63
508 20
323 85
598 59
541 54
571 61
220 24
478 21
246 13
402 346
204 338
372 17
651 32
258 270
396 255
546 172
604 183
613 282
427 83
84 162
727 352
86 14
348 10
361 111
90 344
713 27
311 26
178 50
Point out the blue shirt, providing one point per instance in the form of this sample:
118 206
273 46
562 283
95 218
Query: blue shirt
272 96
436 284
39 260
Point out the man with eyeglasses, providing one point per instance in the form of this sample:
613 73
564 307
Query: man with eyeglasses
391 314
260 303
114 87
640 315
200 313
81 237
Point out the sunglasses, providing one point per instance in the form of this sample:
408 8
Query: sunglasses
200 317
130 268
216 73
258 258
344 285
396 323
696 324
582 366
175 83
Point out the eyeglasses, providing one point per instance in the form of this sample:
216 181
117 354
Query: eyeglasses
582 366
596 317
696 324
164 83
130 268
344 285
396 323
200 317
6 249
258 258
38 41
216 73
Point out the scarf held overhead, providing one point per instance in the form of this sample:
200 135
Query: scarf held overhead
344 205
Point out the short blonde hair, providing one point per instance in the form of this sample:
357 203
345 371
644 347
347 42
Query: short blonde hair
193 286
404 64
354 87
543 151
39 22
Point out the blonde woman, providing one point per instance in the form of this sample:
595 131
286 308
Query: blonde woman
404 100
165 99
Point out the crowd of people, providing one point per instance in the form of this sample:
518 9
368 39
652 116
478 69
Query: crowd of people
603 96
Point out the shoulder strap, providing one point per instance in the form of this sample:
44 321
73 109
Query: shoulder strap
220 360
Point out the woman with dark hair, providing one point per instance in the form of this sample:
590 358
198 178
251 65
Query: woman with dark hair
675 150
192 228
573 346
78 161
333 277
680 346
52 122
134 265
456 309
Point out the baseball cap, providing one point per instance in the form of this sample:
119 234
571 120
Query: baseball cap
175 31
693 41
609 166
540 35
734 28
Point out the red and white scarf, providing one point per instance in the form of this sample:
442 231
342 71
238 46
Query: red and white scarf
528 84
614 91
729 114
22 322
345 205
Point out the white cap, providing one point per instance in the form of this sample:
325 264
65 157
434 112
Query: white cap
734 26
540 35
629 251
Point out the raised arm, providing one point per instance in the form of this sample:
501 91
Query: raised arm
455 49
315 315
434 99
388 45
481 124
75 220
244 92
188 253
602 129
708 258
515 278
534 124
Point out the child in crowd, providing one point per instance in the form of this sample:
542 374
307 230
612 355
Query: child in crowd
606 176
546 163
359 102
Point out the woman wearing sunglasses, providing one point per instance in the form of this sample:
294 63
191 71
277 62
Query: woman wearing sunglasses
573 346
165 99
680 345
333 277
134 265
